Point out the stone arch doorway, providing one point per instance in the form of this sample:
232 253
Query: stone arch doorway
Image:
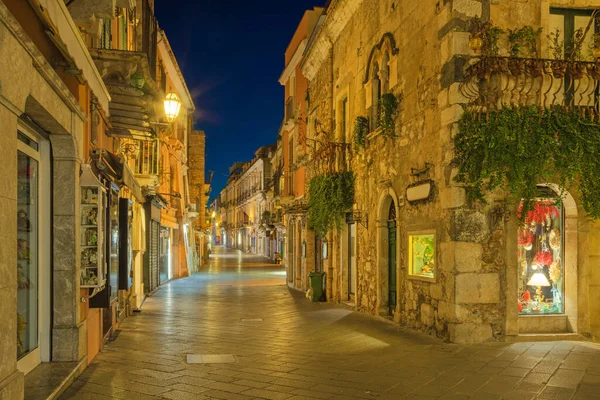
392 257
388 245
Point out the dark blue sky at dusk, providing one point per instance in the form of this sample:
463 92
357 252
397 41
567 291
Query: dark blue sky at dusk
231 53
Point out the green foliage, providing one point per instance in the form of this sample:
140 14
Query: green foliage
556 45
330 197
388 111
517 148
488 33
525 37
361 129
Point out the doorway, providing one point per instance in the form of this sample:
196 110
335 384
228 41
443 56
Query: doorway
391 225
33 251
351 261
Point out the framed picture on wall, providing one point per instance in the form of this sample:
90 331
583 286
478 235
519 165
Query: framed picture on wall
422 256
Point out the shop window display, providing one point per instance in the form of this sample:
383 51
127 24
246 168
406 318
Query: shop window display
541 283
421 257
93 198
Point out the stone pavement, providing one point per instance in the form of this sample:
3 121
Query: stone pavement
302 350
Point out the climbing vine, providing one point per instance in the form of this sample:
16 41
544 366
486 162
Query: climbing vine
517 148
361 129
330 197
388 111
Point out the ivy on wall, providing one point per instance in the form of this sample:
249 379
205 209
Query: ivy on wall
388 111
518 147
330 197
361 129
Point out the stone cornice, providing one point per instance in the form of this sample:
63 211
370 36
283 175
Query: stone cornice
41 64
291 67
328 31
164 47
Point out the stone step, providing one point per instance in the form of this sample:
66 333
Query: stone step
544 337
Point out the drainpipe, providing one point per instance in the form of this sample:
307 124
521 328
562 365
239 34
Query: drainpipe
332 132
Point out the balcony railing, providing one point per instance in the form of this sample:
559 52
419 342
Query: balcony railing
329 157
147 160
494 82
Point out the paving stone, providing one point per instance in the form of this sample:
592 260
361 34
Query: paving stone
267 394
556 393
181 395
310 350
566 378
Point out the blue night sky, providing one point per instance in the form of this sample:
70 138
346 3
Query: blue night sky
231 53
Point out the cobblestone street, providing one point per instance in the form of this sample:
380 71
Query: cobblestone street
285 347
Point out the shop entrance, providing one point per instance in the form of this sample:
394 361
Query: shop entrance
164 255
33 250
351 259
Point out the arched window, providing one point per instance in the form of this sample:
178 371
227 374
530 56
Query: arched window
375 96
392 212
385 73
540 257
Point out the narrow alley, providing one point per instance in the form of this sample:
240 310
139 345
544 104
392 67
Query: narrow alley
265 341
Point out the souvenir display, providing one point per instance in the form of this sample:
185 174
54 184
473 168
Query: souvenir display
93 201
23 223
540 260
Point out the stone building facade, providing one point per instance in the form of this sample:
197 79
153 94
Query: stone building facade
80 111
245 204
293 143
199 189
406 198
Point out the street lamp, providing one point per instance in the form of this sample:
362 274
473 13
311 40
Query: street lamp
172 107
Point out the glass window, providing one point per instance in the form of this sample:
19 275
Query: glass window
541 270
27 254
114 244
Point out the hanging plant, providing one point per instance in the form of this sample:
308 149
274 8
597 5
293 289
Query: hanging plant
330 197
484 35
517 148
388 111
523 40
556 45
361 129
595 46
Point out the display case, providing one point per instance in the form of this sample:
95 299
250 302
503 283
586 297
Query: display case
422 256
93 203
541 267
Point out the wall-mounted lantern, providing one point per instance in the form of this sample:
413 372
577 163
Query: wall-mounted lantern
172 107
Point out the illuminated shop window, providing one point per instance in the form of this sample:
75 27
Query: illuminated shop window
422 256
541 270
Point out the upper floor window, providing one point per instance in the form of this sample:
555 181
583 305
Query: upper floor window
375 96
147 160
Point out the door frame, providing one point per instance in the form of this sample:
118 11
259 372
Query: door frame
42 353
392 267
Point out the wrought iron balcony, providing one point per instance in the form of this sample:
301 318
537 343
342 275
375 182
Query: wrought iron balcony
493 82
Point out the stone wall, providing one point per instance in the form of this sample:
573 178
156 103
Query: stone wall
468 301
196 157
